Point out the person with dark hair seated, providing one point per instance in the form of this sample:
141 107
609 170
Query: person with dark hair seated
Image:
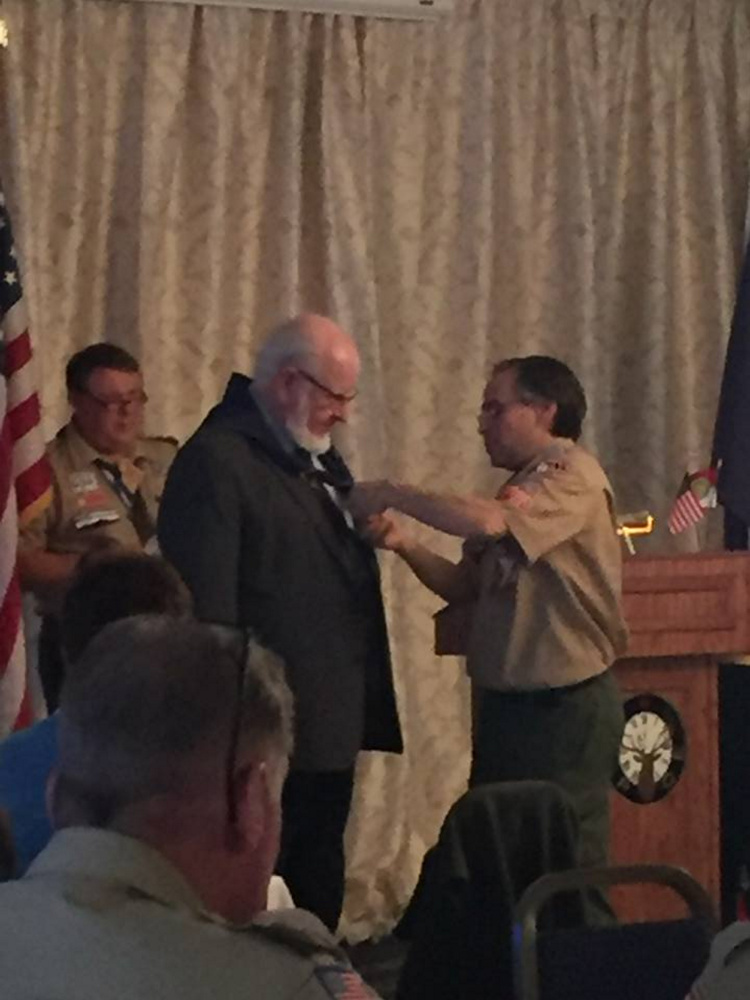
105 588
107 480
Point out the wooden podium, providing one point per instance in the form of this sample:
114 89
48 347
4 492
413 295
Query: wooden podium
685 613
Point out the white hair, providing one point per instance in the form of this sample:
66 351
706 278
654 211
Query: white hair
286 343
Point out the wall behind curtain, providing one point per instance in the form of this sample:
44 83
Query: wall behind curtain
562 176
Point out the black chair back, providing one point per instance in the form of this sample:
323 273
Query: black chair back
496 840
657 960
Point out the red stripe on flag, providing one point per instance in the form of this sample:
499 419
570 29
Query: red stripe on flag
6 465
686 510
10 601
21 443
10 618
691 506
17 353
24 416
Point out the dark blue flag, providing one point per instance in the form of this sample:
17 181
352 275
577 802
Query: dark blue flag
732 431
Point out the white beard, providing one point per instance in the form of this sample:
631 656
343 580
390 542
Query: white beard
296 424
316 444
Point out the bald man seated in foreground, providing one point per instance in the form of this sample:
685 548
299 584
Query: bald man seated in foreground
174 740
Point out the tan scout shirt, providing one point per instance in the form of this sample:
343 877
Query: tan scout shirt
101 916
547 611
85 504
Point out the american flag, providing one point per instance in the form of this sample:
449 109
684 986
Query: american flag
697 493
24 477
342 983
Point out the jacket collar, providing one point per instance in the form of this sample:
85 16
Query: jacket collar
242 410
114 859
239 410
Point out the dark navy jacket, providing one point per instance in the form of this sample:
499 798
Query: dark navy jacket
260 542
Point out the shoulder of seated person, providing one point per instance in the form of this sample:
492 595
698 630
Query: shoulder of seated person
731 943
301 931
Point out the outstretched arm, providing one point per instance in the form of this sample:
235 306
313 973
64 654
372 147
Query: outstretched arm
447 579
455 515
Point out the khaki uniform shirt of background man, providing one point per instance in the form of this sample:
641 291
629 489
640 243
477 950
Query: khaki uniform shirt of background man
107 481
540 579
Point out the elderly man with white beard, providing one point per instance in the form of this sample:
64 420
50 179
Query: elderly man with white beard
253 519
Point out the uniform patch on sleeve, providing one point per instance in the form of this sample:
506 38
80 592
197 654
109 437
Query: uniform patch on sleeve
522 488
343 983
515 496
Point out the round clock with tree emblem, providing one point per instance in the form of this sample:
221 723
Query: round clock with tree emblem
652 749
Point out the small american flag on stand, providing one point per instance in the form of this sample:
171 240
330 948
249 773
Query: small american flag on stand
24 477
696 495
342 983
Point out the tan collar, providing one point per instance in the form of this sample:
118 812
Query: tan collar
122 863
83 454
553 454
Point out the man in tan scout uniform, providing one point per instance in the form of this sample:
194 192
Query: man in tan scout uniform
174 739
540 577
106 484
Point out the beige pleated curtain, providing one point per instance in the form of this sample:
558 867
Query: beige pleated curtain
524 176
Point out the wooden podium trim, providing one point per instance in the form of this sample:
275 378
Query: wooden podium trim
676 583
722 619
687 605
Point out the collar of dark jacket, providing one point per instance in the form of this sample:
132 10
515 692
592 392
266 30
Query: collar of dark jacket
239 409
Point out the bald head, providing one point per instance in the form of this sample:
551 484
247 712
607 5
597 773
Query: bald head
309 340
307 372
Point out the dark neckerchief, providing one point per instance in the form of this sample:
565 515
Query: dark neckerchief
333 473
132 500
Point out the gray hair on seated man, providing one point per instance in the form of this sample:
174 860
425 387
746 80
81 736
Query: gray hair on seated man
178 734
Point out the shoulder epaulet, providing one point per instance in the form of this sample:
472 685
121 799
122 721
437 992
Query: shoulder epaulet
557 457
300 931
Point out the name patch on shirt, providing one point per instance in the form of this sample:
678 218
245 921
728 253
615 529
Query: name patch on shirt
88 518
83 482
515 496
520 492
93 500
